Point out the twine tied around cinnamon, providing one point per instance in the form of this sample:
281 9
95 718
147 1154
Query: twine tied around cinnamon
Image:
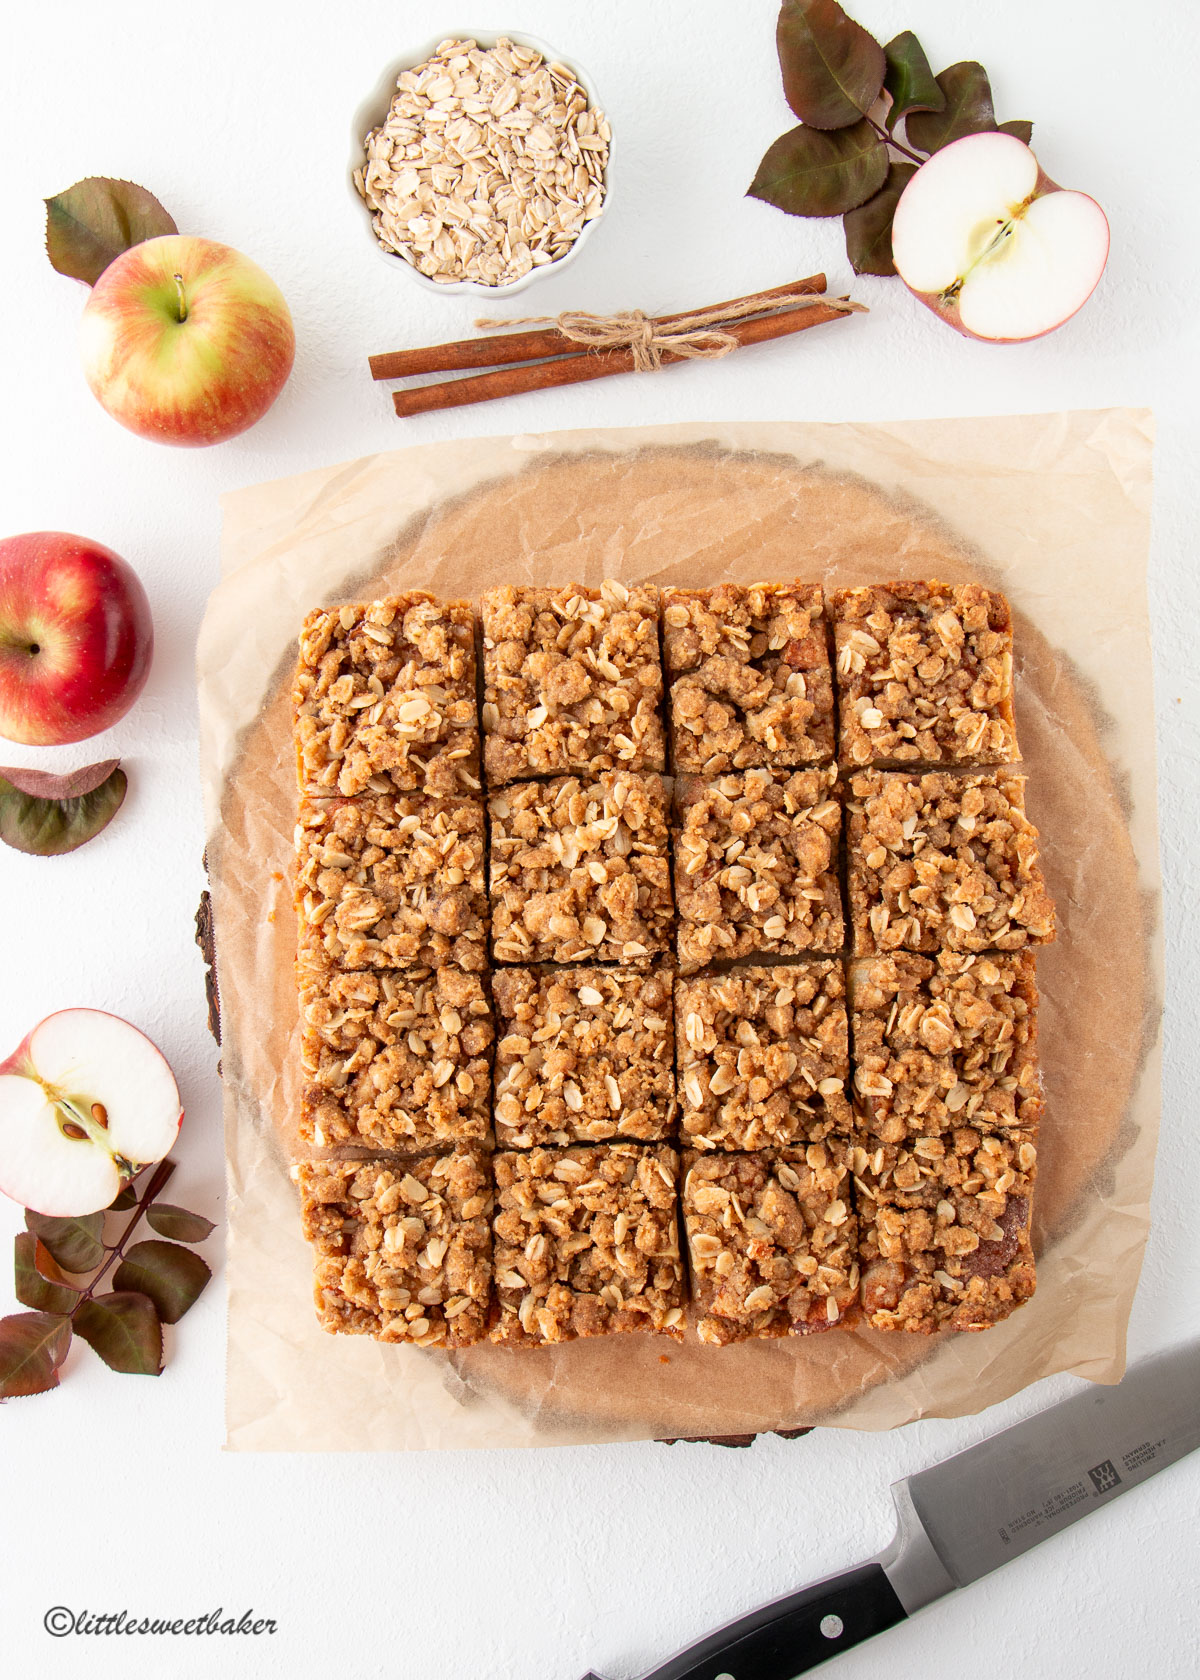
695 337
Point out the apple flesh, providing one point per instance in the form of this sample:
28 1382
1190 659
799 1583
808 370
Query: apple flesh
988 242
85 1102
186 341
76 638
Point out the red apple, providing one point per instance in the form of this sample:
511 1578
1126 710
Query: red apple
186 341
987 241
75 638
85 1101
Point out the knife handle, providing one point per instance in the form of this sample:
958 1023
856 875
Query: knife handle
793 1634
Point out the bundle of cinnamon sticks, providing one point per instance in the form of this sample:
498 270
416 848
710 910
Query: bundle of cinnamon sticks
558 353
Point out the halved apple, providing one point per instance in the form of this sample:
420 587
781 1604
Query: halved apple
85 1101
988 242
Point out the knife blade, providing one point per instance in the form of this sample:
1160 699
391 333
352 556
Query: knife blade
963 1518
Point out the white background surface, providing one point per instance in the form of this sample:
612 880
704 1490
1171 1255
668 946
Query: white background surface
530 1566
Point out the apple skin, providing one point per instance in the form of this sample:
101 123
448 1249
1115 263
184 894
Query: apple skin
196 380
947 309
76 638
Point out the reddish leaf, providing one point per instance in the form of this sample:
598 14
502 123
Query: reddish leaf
75 1243
32 1347
49 815
171 1276
869 228
1019 129
911 83
968 109
809 173
95 220
178 1223
124 1330
39 1282
832 69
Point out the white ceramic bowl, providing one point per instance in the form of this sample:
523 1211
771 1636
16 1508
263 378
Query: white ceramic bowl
375 108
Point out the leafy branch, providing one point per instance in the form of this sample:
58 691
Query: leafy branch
154 1284
841 160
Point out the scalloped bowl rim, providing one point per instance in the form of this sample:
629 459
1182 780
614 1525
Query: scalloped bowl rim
374 108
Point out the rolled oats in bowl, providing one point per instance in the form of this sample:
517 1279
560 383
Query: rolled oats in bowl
490 163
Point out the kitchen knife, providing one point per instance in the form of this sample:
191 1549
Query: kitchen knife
965 1517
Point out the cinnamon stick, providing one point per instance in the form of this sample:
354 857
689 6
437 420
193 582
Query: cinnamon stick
506 348
590 364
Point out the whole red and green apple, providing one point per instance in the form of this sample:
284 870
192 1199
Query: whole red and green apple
186 341
76 637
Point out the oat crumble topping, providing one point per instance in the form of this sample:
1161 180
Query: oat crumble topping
756 865
398 1061
944 1229
772 1241
579 870
403 1249
584 1055
763 1056
944 861
572 681
587 1243
750 677
924 673
392 881
384 698
945 1042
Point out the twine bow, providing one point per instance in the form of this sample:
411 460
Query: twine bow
695 337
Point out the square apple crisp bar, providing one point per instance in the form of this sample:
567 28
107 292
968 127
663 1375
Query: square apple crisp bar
756 865
392 881
944 862
384 698
392 1060
772 1241
579 870
944 1229
945 1041
750 677
572 681
587 1243
584 1055
924 674
763 1056
403 1248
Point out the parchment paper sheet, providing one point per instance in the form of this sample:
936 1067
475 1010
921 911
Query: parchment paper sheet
1054 509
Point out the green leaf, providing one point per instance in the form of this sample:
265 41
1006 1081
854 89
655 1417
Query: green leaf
869 228
124 1330
39 1282
809 173
171 1276
968 109
125 1198
1019 129
75 1243
177 1222
910 81
48 815
832 69
95 220
32 1347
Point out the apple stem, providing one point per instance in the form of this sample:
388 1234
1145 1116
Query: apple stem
890 140
156 1183
182 298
